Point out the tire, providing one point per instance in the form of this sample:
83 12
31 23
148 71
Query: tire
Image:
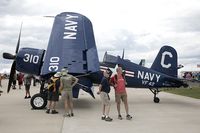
38 101
156 100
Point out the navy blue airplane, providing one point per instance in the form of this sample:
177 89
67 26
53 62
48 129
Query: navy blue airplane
72 45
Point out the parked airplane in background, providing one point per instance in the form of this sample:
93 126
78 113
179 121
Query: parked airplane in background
72 45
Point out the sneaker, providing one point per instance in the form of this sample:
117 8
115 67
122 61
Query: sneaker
25 97
48 110
108 119
54 112
128 117
29 97
72 114
66 115
103 117
120 117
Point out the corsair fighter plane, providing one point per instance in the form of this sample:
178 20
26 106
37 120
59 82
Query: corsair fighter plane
72 45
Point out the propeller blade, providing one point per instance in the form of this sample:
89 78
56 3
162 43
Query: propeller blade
13 67
18 43
12 74
8 56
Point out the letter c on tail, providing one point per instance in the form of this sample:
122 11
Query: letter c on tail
163 59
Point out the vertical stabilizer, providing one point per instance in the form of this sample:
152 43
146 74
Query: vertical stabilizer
166 61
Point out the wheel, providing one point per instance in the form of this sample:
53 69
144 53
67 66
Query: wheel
156 100
38 101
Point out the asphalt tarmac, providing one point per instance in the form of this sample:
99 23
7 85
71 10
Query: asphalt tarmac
177 114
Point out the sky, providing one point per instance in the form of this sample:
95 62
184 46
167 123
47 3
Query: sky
141 27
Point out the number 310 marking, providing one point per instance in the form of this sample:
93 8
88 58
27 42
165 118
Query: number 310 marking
31 58
53 64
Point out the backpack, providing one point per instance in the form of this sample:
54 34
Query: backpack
52 84
115 76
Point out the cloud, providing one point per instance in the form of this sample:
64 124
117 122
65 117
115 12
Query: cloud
186 22
12 7
141 28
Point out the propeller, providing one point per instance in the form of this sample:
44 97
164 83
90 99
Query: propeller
13 67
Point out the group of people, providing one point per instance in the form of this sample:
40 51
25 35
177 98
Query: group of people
21 78
191 75
118 82
61 82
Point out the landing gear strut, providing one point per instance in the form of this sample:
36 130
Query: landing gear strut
155 92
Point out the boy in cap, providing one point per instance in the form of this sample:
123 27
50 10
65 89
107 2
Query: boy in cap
67 82
104 90
53 93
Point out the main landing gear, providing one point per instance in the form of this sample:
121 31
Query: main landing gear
39 100
155 92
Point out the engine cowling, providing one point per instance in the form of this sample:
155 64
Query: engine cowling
29 60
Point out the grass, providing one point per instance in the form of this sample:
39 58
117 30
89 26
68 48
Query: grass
193 92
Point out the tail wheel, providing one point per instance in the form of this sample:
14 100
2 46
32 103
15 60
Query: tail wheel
38 101
156 100
155 91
